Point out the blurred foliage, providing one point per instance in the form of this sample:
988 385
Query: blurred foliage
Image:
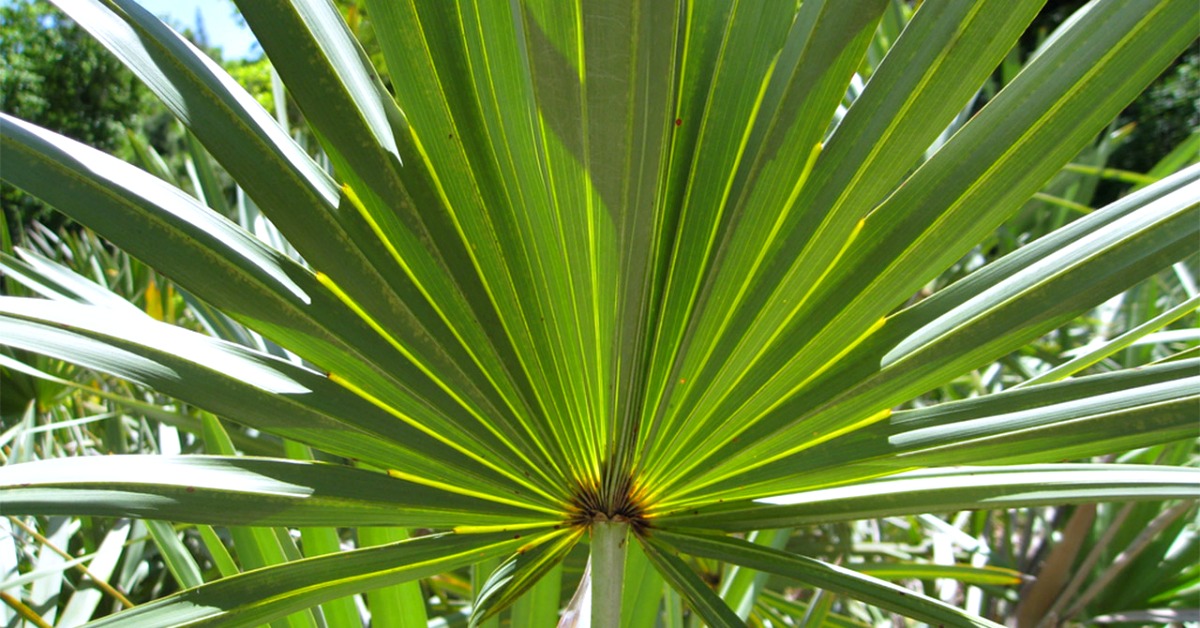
1167 113
1159 120
255 76
55 75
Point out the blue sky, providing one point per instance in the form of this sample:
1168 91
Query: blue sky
220 23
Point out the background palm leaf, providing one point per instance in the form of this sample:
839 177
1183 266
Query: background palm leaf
601 270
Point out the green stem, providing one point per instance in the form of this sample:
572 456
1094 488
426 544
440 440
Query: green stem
608 572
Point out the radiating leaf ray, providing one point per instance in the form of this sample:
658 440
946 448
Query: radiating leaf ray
865 308
640 103
477 197
823 575
739 77
700 597
261 391
267 492
793 108
1019 317
834 200
300 311
1085 417
949 489
259 596
522 571
216 120
399 194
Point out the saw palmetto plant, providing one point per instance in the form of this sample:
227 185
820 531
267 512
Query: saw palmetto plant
635 276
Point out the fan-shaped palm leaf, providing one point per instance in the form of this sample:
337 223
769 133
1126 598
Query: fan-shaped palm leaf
619 267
